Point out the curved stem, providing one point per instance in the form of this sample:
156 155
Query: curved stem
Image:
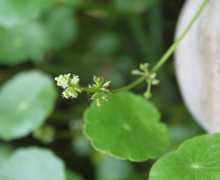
164 58
170 51
132 85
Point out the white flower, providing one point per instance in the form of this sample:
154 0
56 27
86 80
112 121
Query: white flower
75 80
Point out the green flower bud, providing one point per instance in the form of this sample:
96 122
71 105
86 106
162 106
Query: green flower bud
78 89
72 92
104 97
155 82
144 67
95 96
65 94
147 95
136 72
99 102
106 84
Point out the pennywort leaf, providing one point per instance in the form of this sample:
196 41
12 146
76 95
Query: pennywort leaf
127 127
197 158
26 102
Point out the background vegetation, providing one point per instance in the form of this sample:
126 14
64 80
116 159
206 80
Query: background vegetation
101 37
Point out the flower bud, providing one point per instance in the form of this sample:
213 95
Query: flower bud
104 97
147 95
106 84
99 102
136 72
144 67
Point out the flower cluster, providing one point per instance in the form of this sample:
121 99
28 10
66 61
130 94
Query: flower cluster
71 85
100 84
151 80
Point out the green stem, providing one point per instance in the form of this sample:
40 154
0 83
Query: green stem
166 55
164 58
170 51
132 85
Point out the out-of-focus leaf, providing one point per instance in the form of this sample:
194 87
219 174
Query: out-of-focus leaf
26 102
61 26
22 42
14 12
5 151
197 158
105 44
70 175
46 134
114 169
134 6
127 127
33 164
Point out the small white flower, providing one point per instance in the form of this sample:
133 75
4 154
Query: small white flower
75 80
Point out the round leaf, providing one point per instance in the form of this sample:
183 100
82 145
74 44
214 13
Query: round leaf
26 102
13 12
22 42
33 163
61 26
197 159
127 127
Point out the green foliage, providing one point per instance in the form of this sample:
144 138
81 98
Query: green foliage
70 175
32 163
24 40
33 38
14 12
128 127
197 158
114 169
29 99
61 27
134 6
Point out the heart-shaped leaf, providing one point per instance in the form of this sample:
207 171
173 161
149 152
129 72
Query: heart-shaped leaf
127 127
26 102
196 159
32 164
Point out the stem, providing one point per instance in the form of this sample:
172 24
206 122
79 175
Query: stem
170 51
164 58
130 86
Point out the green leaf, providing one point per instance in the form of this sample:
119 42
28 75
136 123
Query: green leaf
114 169
22 42
127 127
33 164
13 12
61 26
134 6
26 102
196 159
70 175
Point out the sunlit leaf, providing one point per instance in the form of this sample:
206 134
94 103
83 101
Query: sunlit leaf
20 43
197 158
127 127
33 164
26 102
13 12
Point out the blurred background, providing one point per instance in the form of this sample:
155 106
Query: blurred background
105 38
